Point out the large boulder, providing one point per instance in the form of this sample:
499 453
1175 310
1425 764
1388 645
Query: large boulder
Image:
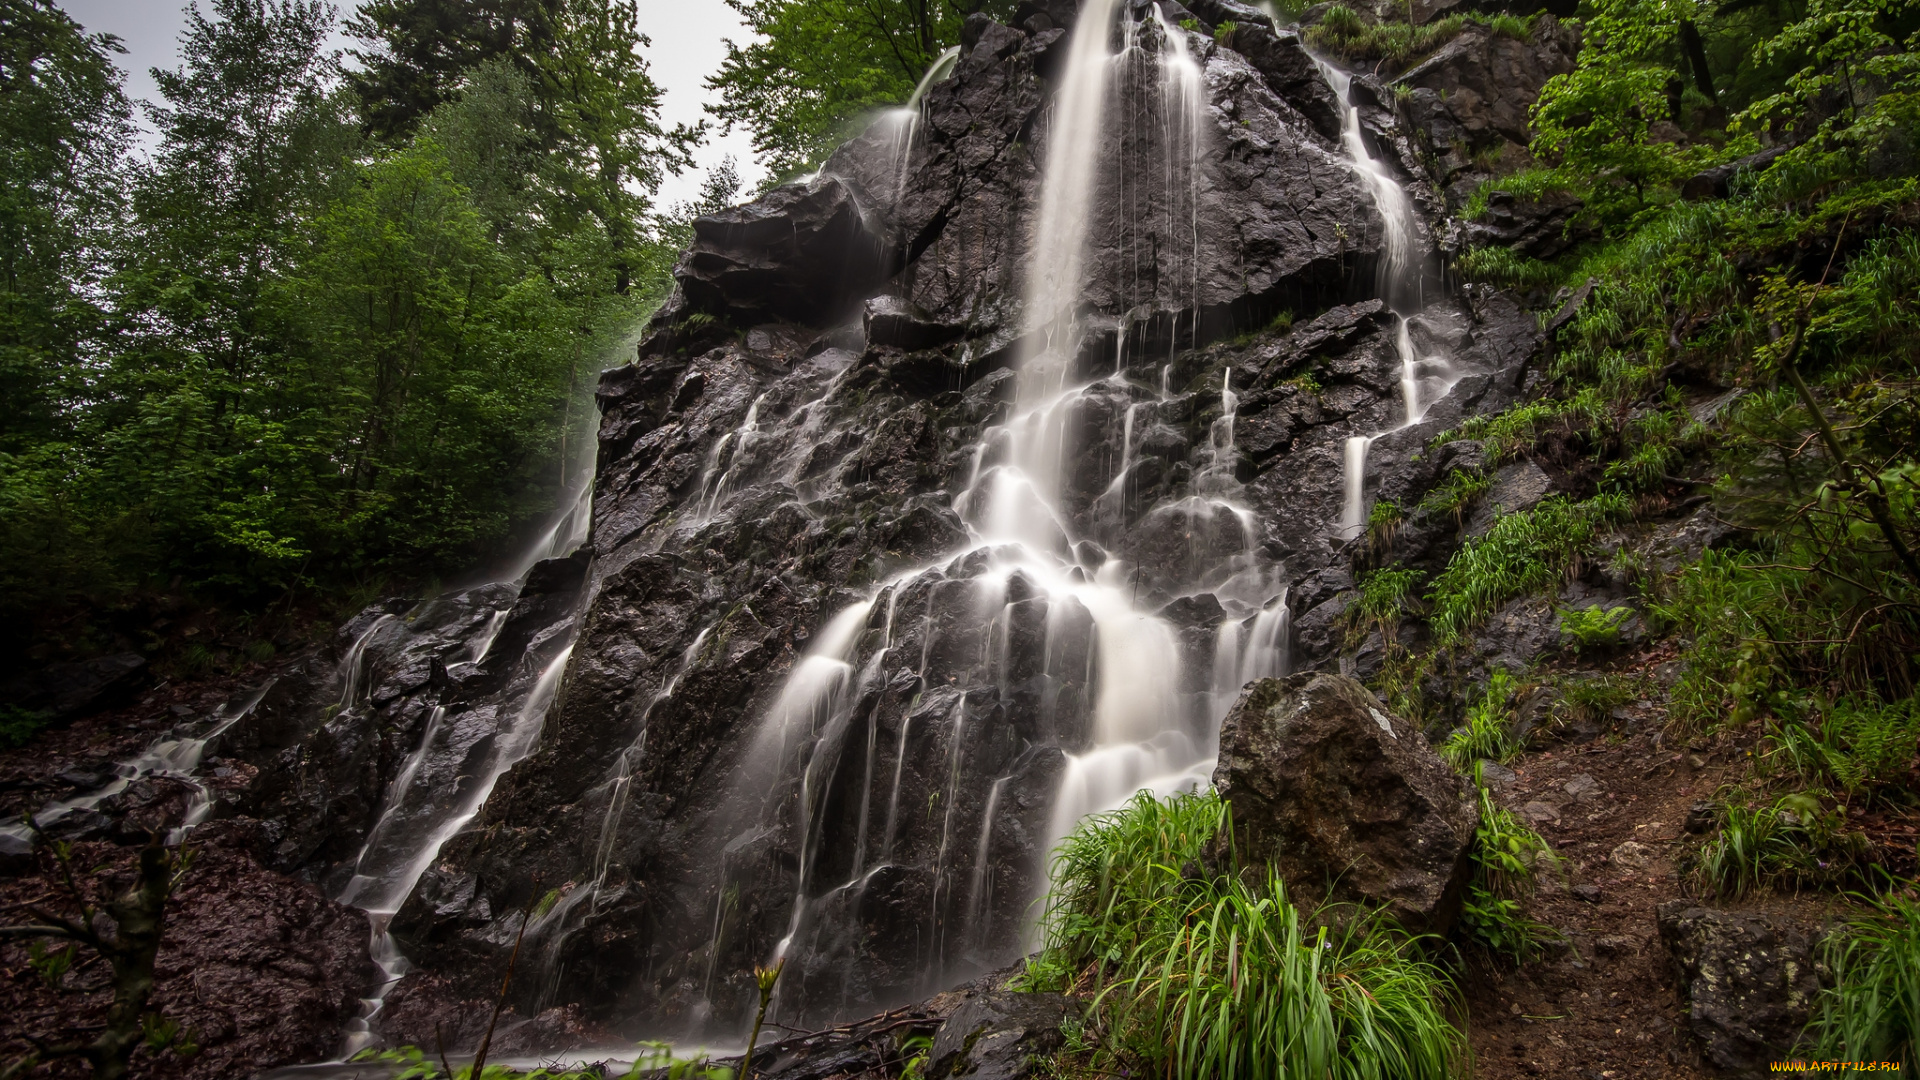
1346 801
1750 980
1470 103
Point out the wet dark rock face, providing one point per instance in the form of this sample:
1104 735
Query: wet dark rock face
1000 1035
1345 801
1467 111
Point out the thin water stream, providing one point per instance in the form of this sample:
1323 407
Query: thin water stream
1402 284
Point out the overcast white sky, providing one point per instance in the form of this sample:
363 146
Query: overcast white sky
687 47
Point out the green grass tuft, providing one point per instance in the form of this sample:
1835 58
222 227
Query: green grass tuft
1488 732
1500 265
1521 553
1870 1010
1792 842
1342 33
1218 976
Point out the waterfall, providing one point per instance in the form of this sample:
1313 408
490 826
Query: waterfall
900 126
1055 266
1402 282
1040 604
175 755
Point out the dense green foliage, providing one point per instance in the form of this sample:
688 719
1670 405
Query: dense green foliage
815 66
1800 632
1203 976
277 356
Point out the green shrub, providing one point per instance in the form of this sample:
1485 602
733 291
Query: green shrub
1204 976
19 726
1859 744
1488 731
1764 625
1507 859
1521 553
1593 628
1870 1011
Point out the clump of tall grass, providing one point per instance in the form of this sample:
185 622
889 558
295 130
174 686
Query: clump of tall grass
1488 732
1385 597
1461 489
1343 33
1502 266
1791 842
1870 1010
1204 975
1519 428
1507 860
1520 554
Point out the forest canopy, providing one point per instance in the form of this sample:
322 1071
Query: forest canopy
337 327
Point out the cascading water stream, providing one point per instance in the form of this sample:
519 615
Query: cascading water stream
1402 284
175 755
446 779
901 125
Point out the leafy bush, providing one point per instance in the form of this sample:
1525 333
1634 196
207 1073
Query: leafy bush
1859 744
1763 627
1507 859
1521 553
1593 628
19 726
1217 977
1871 1009
1488 731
